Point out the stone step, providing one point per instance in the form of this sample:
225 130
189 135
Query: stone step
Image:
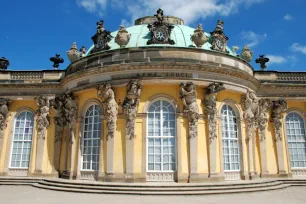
9 183
130 192
149 188
161 185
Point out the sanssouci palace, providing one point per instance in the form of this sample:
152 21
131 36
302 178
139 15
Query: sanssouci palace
157 101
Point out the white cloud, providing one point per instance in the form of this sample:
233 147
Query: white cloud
252 39
288 17
274 59
126 23
297 47
190 10
93 6
277 59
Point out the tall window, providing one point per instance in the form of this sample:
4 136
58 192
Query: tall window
91 138
22 140
296 140
231 160
161 137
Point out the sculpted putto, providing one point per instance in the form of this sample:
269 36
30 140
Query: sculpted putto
111 108
122 37
210 107
43 120
4 111
199 38
278 109
188 95
130 106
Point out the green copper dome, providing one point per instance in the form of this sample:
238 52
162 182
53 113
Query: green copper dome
140 34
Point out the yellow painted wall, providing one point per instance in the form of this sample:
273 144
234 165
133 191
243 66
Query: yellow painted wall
148 92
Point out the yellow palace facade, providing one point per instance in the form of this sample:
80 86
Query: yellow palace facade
158 101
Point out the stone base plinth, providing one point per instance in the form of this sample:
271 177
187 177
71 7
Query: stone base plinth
198 178
216 177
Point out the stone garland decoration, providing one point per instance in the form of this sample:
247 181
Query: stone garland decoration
4 112
210 108
43 119
70 112
278 109
262 118
111 108
188 95
130 107
59 118
250 106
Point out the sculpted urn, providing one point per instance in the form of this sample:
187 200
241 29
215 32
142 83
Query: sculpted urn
123 37
246 54
73 53
199 38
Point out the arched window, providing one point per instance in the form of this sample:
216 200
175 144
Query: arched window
296 140
91 138
231 159
22 140
161 145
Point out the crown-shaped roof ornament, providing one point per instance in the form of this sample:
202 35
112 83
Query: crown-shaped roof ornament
160 30
101 38
4 63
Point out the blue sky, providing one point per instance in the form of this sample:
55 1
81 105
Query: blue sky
33 31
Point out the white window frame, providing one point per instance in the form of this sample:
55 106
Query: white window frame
230 139
83 139
286 127
161 137
13 139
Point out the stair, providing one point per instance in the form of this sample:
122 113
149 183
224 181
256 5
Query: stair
18 181
83 186
147 189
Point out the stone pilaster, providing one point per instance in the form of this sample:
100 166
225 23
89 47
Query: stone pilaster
278 109
43 122
250 140
188 95
4 112
70 110
211 111
264 104
111 111
250 105
59 122
130 108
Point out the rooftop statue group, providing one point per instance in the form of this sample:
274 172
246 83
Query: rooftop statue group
160 33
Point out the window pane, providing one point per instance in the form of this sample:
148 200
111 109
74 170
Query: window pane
91 138
296 140
231 159
161 137
22 140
